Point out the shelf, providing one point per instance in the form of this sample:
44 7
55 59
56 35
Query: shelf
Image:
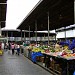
48 69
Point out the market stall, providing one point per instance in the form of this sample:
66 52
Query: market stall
58 61
54 62
3 6
50 18
28 49
49 15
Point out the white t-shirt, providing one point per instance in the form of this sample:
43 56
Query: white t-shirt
18 46
2 46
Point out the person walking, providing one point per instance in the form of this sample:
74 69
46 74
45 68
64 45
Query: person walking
18 49
6 46
9 46
2 46
12 47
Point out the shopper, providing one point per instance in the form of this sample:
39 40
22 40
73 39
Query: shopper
9 46
2 46
18 49
6 46
12 47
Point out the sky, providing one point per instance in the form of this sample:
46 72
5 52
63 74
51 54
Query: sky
17 10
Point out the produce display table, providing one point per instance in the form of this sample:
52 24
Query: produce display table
67 65
52 59
34 56
70 64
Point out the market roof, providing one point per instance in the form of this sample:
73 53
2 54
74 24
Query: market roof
10 32
39 34
71 27
16 33
3 24
3 6
3 1
61 13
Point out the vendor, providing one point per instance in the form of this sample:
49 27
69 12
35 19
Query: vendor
57 45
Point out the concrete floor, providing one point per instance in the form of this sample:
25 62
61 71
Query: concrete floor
19 65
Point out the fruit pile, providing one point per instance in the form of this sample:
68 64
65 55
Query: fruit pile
35 49
69 55
1 52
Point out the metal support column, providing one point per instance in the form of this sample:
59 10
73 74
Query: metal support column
7 36
24 37
0 28
55 35
48 28
29 34
36 31
65 33
11 34
21 35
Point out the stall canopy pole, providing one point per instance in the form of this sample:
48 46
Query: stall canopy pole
36 31
48 28
24 36
29 33
0 28
65 33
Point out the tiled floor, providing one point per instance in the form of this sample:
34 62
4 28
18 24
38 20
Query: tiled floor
19 65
